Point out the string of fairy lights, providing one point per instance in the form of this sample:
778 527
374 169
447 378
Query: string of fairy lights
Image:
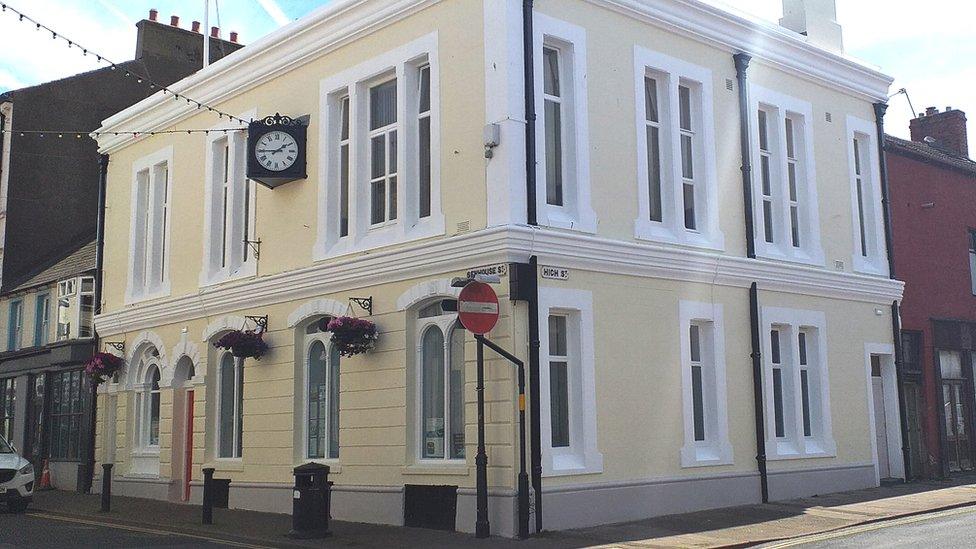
6 9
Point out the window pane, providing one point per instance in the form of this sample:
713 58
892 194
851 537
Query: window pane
791 173
698 402
687 160
763 132
226 411
457 393
654 173
857 157
795 225
424 167
377 157
861 218
557 336
774 346
766 177
805 397
689 200
684 107
334 360
240 407
432 349
650 99
802 341
768 220
392 207
377 209
424 89
317 397
382 105
344 190
790 147
550 69
695 337
554 154
344 116
559 404
154 419
778 402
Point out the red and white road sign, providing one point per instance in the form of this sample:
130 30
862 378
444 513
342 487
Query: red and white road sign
478 308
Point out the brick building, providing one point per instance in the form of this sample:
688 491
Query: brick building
933 207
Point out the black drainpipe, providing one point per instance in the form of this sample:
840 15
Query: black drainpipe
879 113
535 413
745 143
99 259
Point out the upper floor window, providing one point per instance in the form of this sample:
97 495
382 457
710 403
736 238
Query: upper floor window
796 385
149 232
76 308
677 191
563 189
870 254
42 319
15 325
785 204
381 182
230 209
322 394
703 385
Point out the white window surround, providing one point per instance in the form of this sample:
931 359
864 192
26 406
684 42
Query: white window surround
780 105
582 456
236 265
876 261
577 212
308 341
794 445
446 324
136 291
238 431
404 62
671 72
716 449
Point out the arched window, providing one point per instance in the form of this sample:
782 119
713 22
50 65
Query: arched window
147 400
230 403
440 362
322 394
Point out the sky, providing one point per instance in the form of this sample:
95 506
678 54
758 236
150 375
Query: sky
928 47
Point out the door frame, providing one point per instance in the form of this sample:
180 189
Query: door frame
889 384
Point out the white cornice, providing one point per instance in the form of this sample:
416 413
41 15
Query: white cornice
763 40
497 245
314 35
342 21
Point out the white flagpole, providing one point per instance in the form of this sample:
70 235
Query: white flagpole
206 33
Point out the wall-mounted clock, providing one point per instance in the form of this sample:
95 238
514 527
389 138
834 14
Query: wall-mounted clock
277 150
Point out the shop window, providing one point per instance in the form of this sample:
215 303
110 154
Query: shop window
67 389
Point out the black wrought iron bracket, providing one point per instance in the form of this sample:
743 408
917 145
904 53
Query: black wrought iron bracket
117 345
365 303
260 321
255 246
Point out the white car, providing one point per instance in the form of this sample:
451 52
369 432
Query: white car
16 478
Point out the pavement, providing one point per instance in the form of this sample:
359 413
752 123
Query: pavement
740 526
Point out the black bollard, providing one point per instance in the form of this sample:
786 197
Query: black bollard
106 487
208 474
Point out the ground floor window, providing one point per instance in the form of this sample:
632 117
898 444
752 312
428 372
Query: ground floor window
66 413
230 406
8 388
322 394
441 361
957 406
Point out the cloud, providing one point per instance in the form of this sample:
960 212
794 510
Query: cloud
275 11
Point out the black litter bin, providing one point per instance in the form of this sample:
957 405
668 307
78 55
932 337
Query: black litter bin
310 502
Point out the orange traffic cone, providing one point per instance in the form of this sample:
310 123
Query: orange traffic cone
45 482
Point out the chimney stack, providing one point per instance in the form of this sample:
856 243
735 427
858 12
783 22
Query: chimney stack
815 19
233 36
215 32
947 128
196 26
153 14
174 20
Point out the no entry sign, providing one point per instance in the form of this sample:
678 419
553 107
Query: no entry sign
478 308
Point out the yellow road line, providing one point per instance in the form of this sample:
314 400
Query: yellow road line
147 530
854 530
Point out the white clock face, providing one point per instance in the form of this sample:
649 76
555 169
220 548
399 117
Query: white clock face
276 151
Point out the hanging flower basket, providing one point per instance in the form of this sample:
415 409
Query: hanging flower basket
102 366
353 336
243 344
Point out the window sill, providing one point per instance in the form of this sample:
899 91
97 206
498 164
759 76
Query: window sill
558 217
228 464
447 469
133 298
379 237
571 464
215 278
146 453
869 265
658 233
801 257
706 456
807 449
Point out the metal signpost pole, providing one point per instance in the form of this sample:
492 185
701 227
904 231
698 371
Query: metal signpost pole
482 528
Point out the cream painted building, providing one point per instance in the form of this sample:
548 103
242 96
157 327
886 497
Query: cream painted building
417 174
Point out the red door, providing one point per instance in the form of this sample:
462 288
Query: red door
188 446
